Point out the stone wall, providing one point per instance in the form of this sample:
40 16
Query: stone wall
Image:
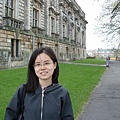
67 44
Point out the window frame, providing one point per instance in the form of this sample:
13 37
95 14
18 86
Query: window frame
35 17
52 24
15 48
64 35
9 8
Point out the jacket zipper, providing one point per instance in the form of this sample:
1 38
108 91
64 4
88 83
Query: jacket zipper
42 104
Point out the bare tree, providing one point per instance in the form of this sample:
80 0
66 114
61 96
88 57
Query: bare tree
116 9
108 23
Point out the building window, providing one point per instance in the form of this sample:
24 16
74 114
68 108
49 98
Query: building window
78 52
73 52
63 30
67 52
35 17
82 36
15 46
52 3
40 45
9 8
71 33
78 34
52 24
12 48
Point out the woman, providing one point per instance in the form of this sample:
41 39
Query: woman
45 98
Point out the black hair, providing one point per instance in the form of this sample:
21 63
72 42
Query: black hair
32 79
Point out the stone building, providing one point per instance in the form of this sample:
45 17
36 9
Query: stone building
28 24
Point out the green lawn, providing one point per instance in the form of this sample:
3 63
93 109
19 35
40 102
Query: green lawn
90 61
78 79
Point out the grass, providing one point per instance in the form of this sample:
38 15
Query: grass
10 80
91 61
79 80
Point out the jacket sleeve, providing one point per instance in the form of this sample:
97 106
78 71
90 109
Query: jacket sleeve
67 111
12 108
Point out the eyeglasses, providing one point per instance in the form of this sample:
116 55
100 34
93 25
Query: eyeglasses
45 64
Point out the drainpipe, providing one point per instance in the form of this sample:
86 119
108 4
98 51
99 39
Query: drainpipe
33 40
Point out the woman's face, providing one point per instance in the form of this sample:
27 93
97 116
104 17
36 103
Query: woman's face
44 67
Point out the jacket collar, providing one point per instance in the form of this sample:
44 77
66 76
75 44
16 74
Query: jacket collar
48 88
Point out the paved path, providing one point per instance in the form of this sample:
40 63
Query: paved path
104 103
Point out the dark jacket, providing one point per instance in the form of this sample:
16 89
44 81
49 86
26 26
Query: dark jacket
51 104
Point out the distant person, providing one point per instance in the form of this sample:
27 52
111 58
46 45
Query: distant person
107 61
45 98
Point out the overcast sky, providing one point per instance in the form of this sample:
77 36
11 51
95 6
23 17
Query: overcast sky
92 9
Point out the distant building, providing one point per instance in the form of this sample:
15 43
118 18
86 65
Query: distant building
90 53
28 24
103 53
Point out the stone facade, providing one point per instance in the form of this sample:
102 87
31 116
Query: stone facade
28 24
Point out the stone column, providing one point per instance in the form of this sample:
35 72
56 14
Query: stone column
60 22
27 15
